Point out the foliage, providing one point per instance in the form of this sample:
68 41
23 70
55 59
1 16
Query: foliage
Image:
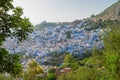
12 24
34 67
102 64
33 72
112 51
83 73
44 24
68 58
68 34
3 77
9 63
56 58
51 76
101 24
51 70
108 60
70 61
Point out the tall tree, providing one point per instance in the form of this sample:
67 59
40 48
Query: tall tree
12 24
68 58
9 63
34 69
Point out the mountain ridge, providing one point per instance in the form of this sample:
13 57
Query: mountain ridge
111 13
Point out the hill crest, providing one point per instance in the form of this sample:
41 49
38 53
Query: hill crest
111 13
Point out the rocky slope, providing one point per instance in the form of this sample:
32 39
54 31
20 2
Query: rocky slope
112 13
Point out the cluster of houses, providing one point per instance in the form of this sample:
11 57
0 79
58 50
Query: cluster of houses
73 39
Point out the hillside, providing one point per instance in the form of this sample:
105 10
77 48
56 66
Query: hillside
45 24
112 13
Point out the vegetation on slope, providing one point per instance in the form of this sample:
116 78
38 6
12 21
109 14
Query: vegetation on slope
102 64
45 24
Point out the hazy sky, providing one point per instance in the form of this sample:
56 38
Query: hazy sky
61 10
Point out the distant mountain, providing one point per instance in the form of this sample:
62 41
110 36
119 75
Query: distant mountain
111 13
44 24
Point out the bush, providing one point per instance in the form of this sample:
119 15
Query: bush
52 70
51 76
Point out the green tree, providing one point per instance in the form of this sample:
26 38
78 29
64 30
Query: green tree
12 24
68 58
34 67
10 63
68 34
70 61
34 70
51 70
112 52
51 76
